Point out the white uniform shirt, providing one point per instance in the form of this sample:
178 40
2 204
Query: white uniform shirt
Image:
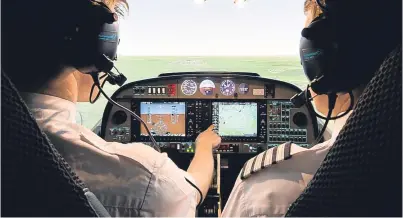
270 191
128 179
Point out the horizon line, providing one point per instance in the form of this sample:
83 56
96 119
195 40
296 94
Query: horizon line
121 55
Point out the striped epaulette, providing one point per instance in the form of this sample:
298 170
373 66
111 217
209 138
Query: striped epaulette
265 159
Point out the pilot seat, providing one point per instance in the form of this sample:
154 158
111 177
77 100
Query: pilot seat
361 176
36 180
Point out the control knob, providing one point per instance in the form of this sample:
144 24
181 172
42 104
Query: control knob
119 117
300 120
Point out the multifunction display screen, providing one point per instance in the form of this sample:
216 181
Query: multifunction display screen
235 119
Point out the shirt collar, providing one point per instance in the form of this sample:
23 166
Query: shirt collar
46 106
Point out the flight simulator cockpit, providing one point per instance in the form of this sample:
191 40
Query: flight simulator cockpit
250 113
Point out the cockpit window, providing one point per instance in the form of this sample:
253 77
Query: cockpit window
160 36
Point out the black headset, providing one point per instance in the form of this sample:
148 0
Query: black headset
338 52
90 45
336 61
326 57
92 40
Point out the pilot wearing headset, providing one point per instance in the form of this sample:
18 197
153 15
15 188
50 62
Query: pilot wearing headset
271 181
128 179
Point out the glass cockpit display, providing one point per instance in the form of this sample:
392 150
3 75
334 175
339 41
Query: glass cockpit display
163 118
235 119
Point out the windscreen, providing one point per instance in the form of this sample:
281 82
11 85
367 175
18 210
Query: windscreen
163 36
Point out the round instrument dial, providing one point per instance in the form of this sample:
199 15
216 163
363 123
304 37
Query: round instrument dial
207 87
227 87
189 87
243 88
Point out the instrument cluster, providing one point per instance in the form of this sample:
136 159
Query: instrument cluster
250 113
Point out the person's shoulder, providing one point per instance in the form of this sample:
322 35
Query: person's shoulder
263 178
273 156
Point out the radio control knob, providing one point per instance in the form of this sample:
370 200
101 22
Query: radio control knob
113 132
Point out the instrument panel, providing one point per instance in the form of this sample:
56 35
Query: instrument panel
250 113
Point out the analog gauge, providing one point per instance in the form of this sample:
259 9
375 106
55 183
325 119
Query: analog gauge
227 87
207 87
243 88
189 87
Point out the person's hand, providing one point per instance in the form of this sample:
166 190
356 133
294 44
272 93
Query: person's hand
208 139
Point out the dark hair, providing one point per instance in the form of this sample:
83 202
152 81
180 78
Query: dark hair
32 37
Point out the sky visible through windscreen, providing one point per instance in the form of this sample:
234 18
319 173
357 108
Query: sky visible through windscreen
215 28
161 36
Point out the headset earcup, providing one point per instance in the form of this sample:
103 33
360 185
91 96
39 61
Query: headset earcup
94 40
317 54
108 40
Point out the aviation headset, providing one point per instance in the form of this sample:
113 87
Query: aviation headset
326 53
324 58
338 52
336 61
91 42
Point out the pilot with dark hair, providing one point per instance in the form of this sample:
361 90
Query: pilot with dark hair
128 179
271 181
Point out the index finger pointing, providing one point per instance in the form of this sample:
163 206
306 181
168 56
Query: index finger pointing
210 128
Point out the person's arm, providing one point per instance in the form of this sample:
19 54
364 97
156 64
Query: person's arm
202 166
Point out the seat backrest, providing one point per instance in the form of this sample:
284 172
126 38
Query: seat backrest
36 181
362 173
